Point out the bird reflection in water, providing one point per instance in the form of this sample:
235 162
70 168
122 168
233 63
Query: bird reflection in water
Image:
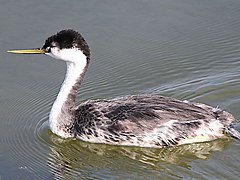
68 158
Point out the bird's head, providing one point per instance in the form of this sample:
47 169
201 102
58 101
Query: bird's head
67 45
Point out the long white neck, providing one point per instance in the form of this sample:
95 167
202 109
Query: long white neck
62 115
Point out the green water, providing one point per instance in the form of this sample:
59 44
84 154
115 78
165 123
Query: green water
183 49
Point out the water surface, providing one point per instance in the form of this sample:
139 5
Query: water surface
183 49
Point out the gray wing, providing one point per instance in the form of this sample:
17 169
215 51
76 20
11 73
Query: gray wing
136 115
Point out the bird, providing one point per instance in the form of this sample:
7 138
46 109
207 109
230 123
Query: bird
143 120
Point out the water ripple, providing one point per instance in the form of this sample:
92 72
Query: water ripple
187 50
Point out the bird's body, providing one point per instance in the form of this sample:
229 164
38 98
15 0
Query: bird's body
138 120
149 121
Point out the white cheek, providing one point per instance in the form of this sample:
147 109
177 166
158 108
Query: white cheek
55 53
70 55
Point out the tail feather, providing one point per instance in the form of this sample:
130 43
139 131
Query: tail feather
233 132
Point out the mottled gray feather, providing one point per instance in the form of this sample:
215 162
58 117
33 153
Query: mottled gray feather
129 118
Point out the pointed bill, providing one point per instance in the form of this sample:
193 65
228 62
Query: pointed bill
28 51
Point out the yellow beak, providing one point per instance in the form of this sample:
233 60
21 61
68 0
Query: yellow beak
28 51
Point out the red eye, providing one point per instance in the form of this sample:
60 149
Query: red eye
48 49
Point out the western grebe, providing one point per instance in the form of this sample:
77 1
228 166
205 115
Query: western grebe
137 120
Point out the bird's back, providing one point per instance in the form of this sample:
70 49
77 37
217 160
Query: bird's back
149 121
